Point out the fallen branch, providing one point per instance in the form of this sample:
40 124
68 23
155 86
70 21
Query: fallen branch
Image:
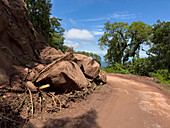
50 65
53 97
54 101
57 99
44 86
32 107
60 103
40 104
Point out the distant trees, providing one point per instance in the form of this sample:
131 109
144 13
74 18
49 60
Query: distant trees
50 28
39 14
123 40
160 46
94 56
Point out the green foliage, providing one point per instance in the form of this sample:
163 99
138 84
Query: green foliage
123 40
140 66
57 42
117 68
115 38
162 75
94 56
50 28
39 14
160 46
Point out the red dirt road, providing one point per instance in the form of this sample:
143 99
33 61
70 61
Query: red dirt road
126 101
133 104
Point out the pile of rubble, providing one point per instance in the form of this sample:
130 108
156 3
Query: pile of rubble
28 61
34 77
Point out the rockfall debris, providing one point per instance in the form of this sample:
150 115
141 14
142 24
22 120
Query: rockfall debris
29 65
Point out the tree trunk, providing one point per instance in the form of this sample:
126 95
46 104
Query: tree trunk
119 61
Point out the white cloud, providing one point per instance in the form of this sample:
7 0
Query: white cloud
87 43
116 15
95 19
99 26
70 43
123 15
79 34
73 22
97 52
97 33
98 29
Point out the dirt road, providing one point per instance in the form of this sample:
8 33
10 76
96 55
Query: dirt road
126 101
133 104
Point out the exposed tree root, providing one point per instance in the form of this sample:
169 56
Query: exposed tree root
32 106
15 104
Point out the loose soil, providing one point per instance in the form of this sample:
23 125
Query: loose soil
126 101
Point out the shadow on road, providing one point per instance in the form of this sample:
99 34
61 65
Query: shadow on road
84 121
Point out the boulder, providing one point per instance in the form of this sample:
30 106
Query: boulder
49 54
64 76
102 77
88 65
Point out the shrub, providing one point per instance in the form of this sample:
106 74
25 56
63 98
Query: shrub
162 75
117 68
140 66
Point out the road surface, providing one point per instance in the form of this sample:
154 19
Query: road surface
133 104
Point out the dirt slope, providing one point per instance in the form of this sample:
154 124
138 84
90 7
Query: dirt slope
133 105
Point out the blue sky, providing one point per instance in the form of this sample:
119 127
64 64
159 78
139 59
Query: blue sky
83 20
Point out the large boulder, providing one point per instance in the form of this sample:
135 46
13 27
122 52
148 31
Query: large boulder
64 76
88 65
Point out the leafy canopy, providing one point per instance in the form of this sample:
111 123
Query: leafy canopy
160 46
123 40
50 28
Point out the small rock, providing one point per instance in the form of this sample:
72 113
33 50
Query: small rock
102 77
26 70
4 79
31 75
31 86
